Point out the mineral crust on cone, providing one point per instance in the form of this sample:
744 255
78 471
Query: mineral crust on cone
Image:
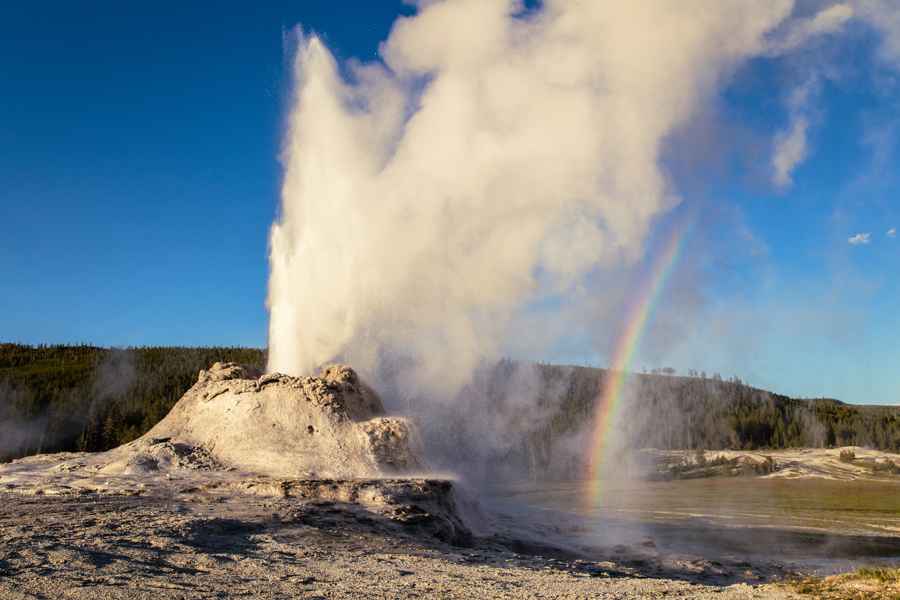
328 426
238 433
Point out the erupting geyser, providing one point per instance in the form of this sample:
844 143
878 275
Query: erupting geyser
496 156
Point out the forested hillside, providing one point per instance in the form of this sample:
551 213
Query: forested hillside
67 398
61 398
671 412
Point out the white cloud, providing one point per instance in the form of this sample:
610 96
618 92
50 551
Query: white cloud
884 17
860 239
791 144
800 31
892 232
790 150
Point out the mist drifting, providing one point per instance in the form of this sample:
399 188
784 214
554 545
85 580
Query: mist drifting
495 156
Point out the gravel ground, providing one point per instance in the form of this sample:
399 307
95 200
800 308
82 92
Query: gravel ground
96 547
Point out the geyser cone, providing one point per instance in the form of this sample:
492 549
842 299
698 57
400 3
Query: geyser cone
329 426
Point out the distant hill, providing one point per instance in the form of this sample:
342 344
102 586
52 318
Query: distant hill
674 412
69 398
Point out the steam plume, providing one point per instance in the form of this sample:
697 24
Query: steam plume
495 157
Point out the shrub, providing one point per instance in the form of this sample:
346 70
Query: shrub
847 456
700 458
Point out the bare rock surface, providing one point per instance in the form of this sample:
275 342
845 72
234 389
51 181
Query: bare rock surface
848 463
211 544
270 486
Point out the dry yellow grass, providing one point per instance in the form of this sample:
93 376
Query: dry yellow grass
867 583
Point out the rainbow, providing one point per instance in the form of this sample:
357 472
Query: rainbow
626 348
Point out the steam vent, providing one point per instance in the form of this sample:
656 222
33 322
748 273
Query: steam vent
330 427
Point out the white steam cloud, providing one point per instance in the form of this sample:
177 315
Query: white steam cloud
495 157
791 146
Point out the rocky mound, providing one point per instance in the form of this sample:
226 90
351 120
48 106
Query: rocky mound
235 424
323 442
846 463
697 464
329 426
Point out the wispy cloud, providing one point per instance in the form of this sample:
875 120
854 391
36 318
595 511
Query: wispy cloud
883 16
860 239
892 232
790 150
829 20
791 145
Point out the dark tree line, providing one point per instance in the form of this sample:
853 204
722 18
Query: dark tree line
667 412
76 398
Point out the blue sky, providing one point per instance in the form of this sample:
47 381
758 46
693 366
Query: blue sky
139 168
140 175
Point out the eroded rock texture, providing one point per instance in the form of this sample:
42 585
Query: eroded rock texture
328 426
